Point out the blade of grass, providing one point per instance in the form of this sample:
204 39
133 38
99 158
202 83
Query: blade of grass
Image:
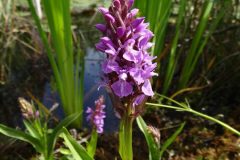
160 29
186 73
91 146
186 108
152 146
170 140
21 136
59 22
57 130
33 132
54 12
213 27
172 62
48 48
77 150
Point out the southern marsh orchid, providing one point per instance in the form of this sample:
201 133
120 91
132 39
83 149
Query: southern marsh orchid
128 67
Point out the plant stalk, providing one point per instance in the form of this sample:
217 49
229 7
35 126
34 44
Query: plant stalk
199 114
125 138
92 145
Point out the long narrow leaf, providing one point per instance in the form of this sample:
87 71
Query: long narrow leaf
77 150
186 108
161 26
7 131
189 63
152 146
57 130
61 54
173 57
31 130
47 46
171 139
213 27
91 146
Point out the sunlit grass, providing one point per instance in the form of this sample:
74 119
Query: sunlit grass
61 55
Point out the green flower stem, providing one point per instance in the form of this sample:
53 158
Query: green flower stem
125 138
185 109
92 145
46 154
216 121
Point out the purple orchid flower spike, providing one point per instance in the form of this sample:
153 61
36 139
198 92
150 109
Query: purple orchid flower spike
128 67
96 117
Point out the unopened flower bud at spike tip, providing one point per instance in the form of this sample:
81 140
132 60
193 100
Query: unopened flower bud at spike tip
27 109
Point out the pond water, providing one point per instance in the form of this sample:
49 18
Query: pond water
92 79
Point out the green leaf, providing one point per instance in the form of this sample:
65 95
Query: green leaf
187 108
65 122
61 55
47 46
173 56
170 140
78 151
10 132
64 151
91 147
193 54
31 130
152 146
57 130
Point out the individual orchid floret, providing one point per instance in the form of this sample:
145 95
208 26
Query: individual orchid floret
96 116
128 67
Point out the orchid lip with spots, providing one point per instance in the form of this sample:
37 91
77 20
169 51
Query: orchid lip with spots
128 67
